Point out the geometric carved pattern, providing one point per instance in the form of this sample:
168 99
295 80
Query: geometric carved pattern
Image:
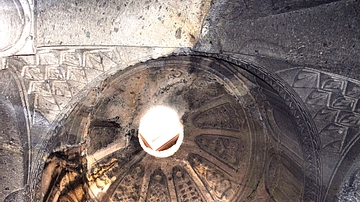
58 75
158 188
318 97
219 186
352 90
309 135
306 79
185 187
333 102
222 117
332 135
217 181
350 119
225 148
130 186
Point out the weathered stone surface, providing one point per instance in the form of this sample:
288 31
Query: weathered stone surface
13 138
316 33
130 23
54 77
17 27
213 153
274 118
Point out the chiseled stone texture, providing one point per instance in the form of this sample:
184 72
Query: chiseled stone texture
12 173
55 78
16 27
159 23
322 33
308 48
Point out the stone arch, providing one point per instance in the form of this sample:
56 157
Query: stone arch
15 128
237 83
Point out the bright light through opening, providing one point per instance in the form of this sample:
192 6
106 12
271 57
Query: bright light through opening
160 131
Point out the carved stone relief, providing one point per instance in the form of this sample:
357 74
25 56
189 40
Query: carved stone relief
223 150
17 27
130 186
73 89
332 101
97 116
185 187
219 152
55 77
158 187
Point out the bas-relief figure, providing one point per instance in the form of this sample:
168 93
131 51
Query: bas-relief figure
268 92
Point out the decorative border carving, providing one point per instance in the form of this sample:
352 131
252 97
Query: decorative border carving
309 139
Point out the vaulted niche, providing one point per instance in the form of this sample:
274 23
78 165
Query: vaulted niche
240 138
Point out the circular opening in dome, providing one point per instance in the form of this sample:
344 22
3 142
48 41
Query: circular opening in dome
161 132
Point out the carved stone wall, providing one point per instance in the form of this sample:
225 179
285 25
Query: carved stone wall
221 131
268 92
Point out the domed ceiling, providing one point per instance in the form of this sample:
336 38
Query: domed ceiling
241 139
266 96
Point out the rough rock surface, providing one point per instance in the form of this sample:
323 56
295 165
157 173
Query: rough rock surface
299 60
